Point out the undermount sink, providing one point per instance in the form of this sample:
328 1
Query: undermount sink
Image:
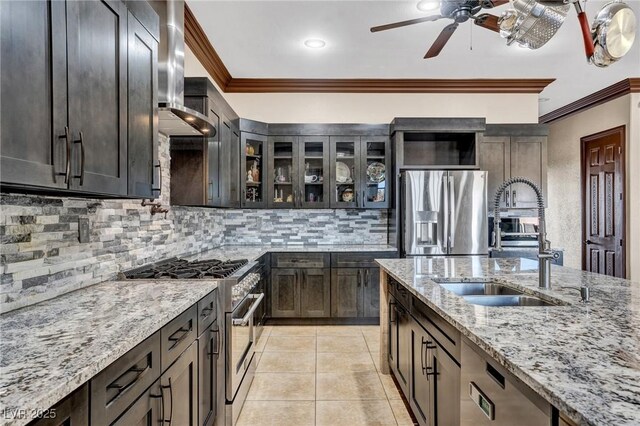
492 294
479 289
507 301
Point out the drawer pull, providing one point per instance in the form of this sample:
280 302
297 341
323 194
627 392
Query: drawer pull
162 387
495 375
121 388
215 351
177 339
206 311
161 396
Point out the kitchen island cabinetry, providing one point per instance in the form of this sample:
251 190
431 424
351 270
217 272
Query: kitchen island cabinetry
71 411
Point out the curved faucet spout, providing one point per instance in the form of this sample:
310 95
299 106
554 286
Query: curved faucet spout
545 254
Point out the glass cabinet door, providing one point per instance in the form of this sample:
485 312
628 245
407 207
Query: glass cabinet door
283 189
252 176
375 163
345 172
314 172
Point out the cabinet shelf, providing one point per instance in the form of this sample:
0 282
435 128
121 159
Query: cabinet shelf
253 156
254 183
282 157
282 183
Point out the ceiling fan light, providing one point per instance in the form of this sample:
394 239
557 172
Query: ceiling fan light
428 5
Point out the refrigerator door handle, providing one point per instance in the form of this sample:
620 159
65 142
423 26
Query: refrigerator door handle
452 213
445 208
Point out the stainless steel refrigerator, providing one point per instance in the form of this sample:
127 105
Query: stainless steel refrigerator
443 213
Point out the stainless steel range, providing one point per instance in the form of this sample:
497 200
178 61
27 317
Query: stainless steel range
241 297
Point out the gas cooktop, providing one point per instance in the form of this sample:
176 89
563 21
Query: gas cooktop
183 269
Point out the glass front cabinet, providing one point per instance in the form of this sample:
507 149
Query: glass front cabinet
359 166
252 170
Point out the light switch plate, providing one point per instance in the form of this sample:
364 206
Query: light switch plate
83 229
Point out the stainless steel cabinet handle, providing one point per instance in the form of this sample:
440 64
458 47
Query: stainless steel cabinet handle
366 277
359 278
170 400
81 142
431 370
67 167
215 350
422 355
363 198
245 319
177 339
159 167
513 198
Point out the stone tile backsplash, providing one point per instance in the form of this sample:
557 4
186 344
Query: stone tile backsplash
41 256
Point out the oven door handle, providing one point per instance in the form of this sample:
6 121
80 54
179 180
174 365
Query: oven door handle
245 320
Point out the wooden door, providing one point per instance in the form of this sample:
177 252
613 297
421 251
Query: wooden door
421 389
144 174
371 304
33 94
344 184
285 297
315 293
346 292
529 160
495 157
214 160
253 152
447 386
180 386
97 71
313 172
375 188
208 350
603 210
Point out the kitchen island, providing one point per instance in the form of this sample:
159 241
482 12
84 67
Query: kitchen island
583 358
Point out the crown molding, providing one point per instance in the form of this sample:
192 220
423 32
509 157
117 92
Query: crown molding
198 42
621 88
294 85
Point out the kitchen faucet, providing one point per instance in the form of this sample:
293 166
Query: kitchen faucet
545 254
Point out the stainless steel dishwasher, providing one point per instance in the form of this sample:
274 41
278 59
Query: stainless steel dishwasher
490 396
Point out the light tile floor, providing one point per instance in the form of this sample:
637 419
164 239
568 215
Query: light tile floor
324 376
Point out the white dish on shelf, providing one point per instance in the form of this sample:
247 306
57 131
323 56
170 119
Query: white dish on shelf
343 172
376 172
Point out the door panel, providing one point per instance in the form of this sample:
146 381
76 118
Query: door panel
603 210
97 64
180 386
468 213
33 104
447 386
313 172
495 158
346 292
529 160
345 172
404 347
424 221
282 181
376 193
315 293
146 411
142 99
422 389
208 349
371 292
285 299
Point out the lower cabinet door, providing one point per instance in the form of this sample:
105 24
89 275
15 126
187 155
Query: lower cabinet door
447 385
315 292
285 298
346 292
371 304
71 411
422 387
208 350
147 410
179 387
393 335
404 347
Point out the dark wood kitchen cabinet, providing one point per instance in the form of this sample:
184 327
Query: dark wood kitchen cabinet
355 292
253 157
69 74
359 167
285 293
144 170
147 410
315 292
511 150
179 383
300 292
71 411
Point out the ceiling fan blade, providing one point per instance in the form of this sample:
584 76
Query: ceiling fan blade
488 21
405 23
442 39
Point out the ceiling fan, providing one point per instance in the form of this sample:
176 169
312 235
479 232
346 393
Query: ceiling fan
459 11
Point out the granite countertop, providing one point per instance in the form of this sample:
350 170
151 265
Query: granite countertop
48 350
582 358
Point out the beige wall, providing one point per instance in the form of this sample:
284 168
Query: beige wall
372 108
565 211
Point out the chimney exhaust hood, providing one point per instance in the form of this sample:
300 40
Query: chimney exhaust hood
174 118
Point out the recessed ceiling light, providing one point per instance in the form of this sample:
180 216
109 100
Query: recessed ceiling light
315 43
428 5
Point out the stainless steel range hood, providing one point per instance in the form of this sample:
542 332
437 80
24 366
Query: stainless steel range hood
174 118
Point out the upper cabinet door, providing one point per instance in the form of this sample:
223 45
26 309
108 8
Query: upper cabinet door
282 180
34 149
144 168
97 71
253 150
529 160
313 168
375 168
495 158
345 172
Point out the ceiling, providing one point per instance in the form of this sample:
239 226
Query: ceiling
264 39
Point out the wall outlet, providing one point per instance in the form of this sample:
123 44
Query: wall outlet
83 229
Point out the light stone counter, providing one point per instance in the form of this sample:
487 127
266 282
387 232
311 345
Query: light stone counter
582 358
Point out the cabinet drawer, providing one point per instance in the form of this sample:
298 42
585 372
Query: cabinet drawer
401 294
300 260
207 311
122 382
446 334
176 336
360 260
